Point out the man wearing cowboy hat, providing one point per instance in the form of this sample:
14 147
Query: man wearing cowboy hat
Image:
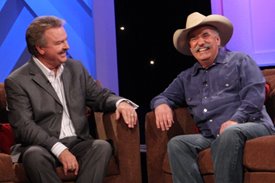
225 94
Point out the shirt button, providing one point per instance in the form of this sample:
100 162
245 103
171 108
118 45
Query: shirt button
226 84
204 110
211 120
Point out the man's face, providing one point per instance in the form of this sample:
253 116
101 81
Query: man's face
204 44
53 53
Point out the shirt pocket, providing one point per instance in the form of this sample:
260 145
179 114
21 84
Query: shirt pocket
228 81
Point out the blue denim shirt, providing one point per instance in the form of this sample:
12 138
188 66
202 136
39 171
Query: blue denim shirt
233 88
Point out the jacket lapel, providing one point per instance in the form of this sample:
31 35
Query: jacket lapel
40 79
66 78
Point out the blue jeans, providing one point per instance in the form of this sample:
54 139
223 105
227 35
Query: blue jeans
226 150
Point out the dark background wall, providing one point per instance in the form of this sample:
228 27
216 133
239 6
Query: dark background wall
149 28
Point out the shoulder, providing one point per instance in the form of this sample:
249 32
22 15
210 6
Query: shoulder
22 71
238 55
74 63
189 71
238 58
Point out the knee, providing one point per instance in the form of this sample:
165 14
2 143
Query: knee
35 155
231 135
174 145
231 131
102 146
33 152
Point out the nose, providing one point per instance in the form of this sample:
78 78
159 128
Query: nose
200 41
66 45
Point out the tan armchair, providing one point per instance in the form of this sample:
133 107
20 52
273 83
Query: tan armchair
259 153
124 166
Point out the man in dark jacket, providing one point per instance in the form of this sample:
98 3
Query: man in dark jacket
47 99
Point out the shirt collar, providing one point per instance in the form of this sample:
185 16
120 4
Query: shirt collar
46 70
220 59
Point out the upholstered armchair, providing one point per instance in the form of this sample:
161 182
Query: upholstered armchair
259 153
124 166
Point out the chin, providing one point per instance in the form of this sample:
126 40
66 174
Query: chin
204 56
63 59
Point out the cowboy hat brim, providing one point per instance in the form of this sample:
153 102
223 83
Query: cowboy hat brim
221 23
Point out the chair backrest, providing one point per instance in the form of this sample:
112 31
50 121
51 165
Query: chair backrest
6 134
269 75
3 104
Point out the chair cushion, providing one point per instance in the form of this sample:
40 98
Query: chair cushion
7 138
165 164
205 162
259 177
6 172
259 154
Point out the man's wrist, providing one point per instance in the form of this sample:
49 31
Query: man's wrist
134 105
58 148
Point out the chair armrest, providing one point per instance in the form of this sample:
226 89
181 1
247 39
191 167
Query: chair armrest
6 168
183 118
156 144
126 143
259 154
156 140
101 133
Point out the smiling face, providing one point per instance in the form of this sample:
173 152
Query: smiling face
54 51
204 43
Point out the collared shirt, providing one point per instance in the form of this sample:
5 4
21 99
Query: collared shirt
231 89
67 128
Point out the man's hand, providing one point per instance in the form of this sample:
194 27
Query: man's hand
226 125
128 113
164 117
69 162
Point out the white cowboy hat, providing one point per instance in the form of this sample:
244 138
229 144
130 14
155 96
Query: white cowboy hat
194 20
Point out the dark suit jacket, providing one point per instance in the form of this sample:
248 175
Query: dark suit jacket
35 111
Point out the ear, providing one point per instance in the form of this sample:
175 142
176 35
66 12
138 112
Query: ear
40 50
218 39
